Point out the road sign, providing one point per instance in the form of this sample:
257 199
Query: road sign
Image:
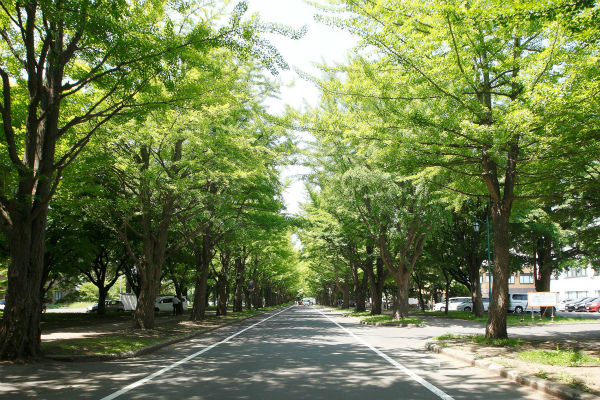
542 299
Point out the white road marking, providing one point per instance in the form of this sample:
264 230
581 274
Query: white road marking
188 358
396 364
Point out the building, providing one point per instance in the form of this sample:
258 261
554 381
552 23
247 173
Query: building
576 283
520 282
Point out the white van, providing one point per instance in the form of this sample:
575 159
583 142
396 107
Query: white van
517 303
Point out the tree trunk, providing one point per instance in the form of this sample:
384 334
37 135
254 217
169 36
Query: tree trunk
447 282
543 268
239 283
400 300
20 332
473 270
496 323
222 284
203 257
102 292
359 287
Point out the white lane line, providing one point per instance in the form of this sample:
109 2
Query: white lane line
396 364
188 358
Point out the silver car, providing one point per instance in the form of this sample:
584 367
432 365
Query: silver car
109 305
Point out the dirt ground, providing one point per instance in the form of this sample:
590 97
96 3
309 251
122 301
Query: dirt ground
584 378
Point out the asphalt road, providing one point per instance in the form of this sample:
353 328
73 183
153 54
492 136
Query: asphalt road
295 353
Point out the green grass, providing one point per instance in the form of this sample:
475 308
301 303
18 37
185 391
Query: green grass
508 342
359 313
98 345
386 318
565 358
451 336
512 320
77 304
481 339
542 374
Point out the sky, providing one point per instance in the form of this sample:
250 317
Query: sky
321 44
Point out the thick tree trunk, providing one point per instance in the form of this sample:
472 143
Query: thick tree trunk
380 281
473 265
402 267
20 333
102 292
543 268
203 257
223 284
359 287
341 288
496 323
143 317
238 291
400 299
362 294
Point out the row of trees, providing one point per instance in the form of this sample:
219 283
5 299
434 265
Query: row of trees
134 142
449 112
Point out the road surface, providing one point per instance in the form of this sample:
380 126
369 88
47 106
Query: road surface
294 353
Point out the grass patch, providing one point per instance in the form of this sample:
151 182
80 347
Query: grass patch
508 342
565 358
481 339
98 345
511 319
360 314
573 383
451 336
542 374
386 318
77 304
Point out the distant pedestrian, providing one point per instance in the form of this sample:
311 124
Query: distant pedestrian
176 303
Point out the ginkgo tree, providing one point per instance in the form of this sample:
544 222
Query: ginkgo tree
67 69
491 101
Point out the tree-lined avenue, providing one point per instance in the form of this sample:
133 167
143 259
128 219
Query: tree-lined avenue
293 353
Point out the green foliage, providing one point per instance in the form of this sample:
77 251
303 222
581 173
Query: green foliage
87 291
565 358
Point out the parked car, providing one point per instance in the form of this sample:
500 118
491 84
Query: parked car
165 304
455 303
563 303
518 303
582 306
109 305
593 306
573 306
2 304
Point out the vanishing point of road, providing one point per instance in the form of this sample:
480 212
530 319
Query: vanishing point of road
292 353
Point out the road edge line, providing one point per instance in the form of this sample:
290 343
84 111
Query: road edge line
432 388
148 378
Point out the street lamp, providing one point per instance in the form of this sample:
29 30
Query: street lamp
487 226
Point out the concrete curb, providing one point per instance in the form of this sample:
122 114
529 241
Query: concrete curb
144 350
555 389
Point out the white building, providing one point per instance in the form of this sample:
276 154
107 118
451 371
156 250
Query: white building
576 283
